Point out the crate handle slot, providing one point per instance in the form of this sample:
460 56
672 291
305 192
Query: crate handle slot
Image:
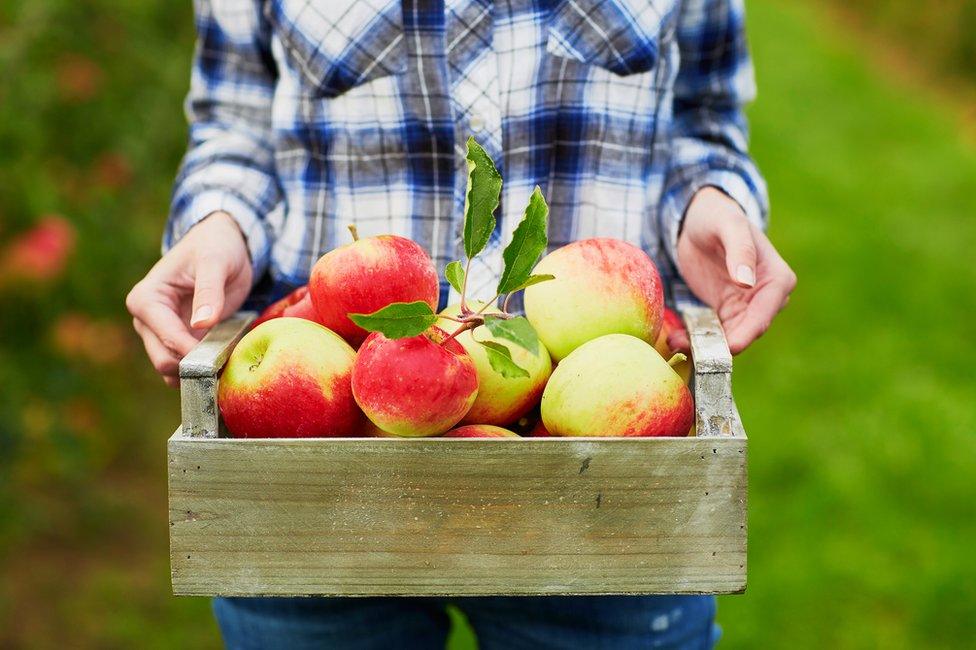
199 371
716 413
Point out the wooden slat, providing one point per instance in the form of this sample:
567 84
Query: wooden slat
198 375
459 517
712 362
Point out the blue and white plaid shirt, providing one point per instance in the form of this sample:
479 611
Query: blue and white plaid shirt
309 115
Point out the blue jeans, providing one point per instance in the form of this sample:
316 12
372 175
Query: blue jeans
572 622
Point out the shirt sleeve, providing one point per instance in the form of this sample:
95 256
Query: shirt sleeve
709 133
229 163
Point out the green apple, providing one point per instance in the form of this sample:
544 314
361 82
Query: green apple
601 286
500 400
616 385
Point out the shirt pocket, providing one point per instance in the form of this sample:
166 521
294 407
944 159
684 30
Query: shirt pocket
337 45
623 36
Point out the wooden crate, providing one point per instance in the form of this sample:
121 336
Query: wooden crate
366 517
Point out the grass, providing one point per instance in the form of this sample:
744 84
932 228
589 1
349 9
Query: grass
858 403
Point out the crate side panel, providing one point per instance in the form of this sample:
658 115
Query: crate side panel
384 517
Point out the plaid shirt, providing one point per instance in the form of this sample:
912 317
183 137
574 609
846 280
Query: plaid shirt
309 115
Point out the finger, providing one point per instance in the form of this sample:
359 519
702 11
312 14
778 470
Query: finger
740 249
152 310
172 382
678 341
162 358
208 294
760 312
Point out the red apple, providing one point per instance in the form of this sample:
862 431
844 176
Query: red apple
367 275
480 431
290 378
297 304
540 430
601 286
417 386
501 400
672 323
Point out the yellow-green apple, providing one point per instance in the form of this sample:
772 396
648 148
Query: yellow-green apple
416 386
290 378
616 385
601 286
297 304
500 400
672 323
367 275
480 431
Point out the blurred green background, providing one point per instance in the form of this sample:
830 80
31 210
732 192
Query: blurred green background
859 402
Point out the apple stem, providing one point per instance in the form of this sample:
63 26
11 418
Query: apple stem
676 358
463 328
353 231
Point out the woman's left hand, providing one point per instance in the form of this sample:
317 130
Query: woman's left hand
731 265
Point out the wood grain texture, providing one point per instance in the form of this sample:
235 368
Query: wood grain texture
209 355
712 362
460 517
199 372
363 517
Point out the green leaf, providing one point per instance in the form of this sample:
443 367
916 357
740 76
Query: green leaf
500 358
481 200
398 320
528 242
455 275
517 330
533 279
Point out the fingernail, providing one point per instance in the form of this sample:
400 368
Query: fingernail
745 275
202 314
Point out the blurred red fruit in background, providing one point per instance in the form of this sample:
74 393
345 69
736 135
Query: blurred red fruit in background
39 254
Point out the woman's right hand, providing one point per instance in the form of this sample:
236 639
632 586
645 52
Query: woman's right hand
203 279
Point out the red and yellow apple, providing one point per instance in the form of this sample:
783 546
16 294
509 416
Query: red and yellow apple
290 378
367 275
500 400
480 431
416 386
602 286
672 323
616 385
297 304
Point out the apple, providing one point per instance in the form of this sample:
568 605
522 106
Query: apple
602 286
297 304
672 323
616 385
416 386
540 430
290 378
480 431
500 401
367 275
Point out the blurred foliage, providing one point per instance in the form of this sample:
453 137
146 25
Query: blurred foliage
858 402
941 32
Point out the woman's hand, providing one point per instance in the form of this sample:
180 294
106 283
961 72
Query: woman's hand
204 278
733 267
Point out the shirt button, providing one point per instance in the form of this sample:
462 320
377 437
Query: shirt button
476 123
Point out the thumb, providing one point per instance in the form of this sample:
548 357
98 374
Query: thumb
740 250
208 294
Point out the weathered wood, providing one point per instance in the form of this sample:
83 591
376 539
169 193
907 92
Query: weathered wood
210 354
198 376
361 517
460 517
712 362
